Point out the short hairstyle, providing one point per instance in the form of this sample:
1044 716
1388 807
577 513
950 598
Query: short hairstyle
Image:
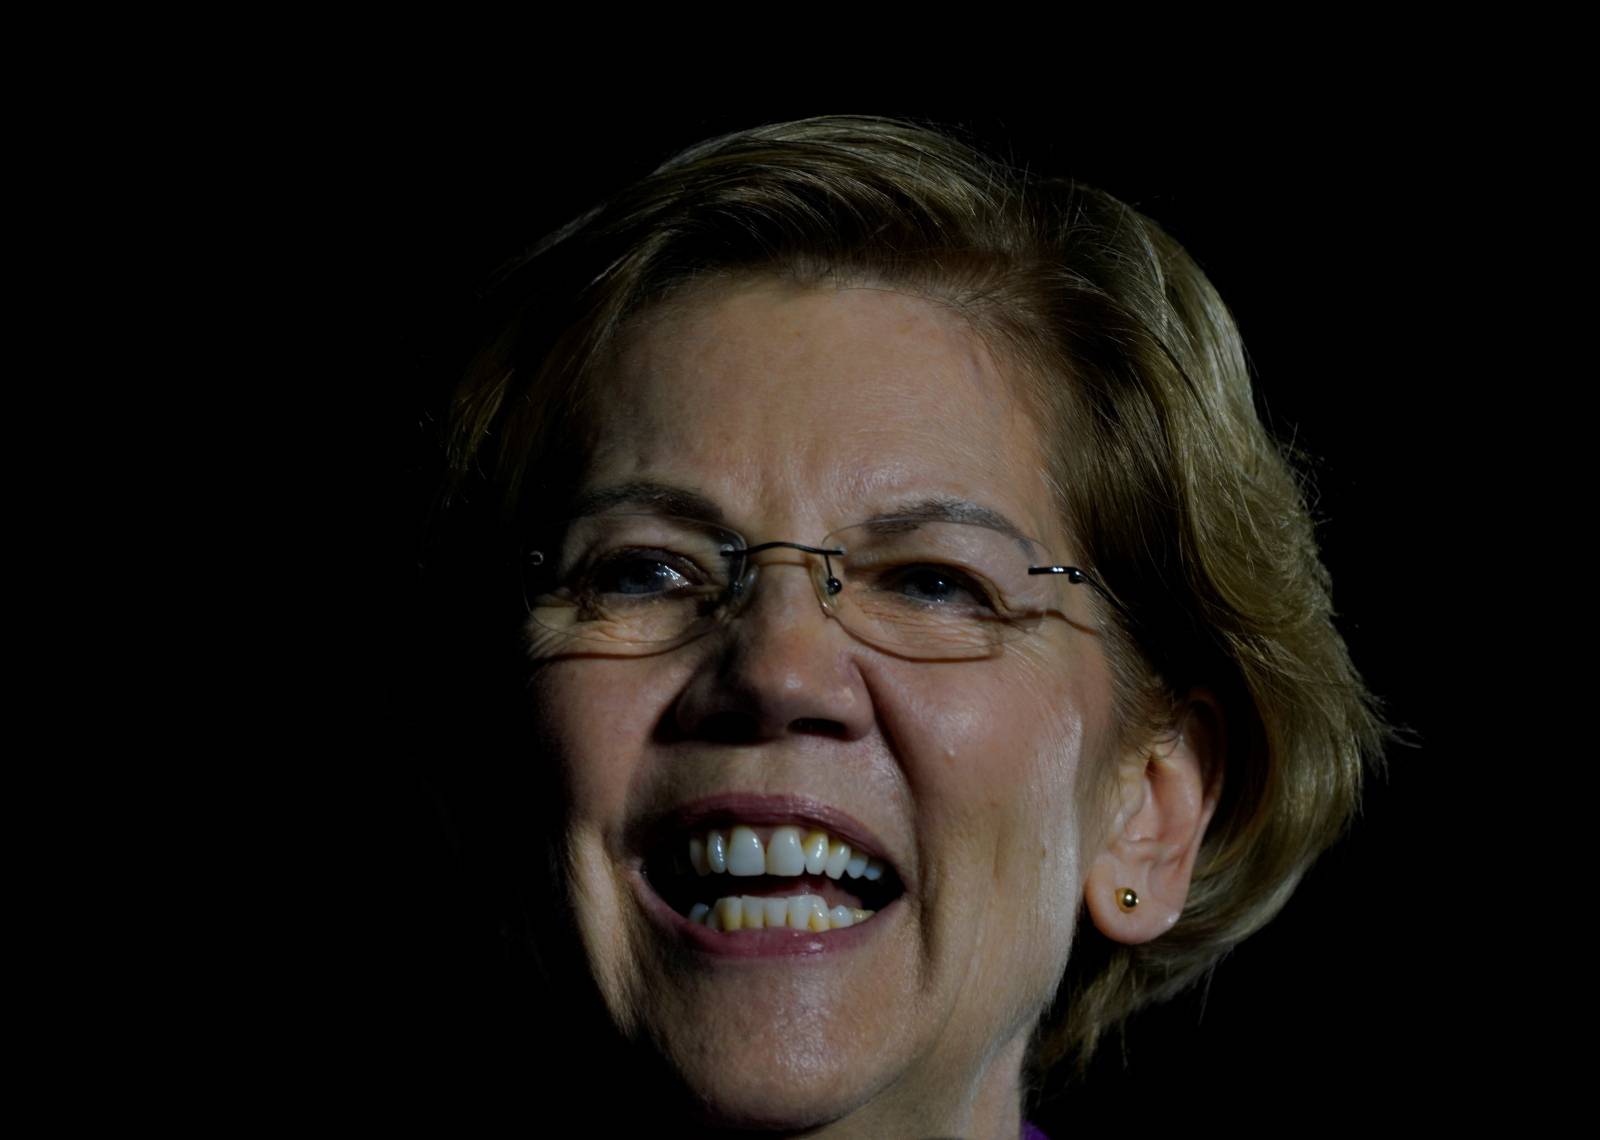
1178 499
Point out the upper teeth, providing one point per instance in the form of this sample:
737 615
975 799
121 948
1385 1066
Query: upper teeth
787 852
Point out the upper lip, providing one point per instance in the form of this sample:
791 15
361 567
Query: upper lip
731 808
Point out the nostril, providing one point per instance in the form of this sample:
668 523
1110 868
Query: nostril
817 726
733 726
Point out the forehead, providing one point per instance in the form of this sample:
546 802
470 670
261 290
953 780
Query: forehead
819 405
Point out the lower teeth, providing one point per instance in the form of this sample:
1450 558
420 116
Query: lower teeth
797 912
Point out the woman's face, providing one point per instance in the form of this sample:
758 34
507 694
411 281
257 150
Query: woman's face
794 412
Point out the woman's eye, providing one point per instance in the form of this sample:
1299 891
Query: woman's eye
638 575
937 585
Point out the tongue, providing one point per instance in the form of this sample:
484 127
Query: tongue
833 892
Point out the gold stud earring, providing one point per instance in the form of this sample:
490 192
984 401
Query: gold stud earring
1127 898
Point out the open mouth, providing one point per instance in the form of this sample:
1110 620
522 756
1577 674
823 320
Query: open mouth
741 876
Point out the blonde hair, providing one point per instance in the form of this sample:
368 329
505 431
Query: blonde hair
1177 496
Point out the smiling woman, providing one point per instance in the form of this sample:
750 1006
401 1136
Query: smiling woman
922 634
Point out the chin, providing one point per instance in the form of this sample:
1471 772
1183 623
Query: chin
769 1050
746 1080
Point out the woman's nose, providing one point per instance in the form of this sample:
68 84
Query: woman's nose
780 667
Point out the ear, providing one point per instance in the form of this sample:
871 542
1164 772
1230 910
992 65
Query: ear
1164 798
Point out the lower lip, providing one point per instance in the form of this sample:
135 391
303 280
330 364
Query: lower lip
757 943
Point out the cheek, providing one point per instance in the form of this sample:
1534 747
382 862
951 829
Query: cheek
594 730
1034 774
1006 749
595 724
997 762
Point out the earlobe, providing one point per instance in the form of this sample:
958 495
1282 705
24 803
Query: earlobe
1139 880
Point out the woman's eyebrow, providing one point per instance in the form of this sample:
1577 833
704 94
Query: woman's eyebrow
662 497
952 510
679 501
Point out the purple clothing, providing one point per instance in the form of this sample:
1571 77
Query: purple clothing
1029 1132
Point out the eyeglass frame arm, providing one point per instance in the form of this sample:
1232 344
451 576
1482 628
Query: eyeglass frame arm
1080 577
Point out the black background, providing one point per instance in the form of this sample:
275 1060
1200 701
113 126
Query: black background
1334 235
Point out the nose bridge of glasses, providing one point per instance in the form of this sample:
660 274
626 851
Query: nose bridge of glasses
821 561
758 563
